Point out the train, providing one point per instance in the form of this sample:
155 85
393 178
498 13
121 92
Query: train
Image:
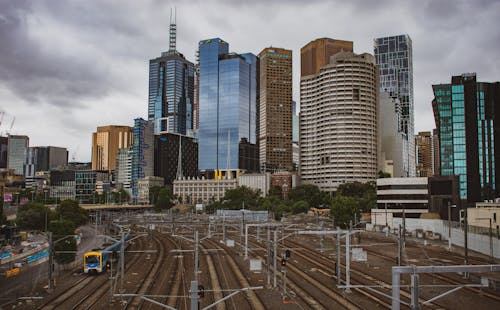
97 261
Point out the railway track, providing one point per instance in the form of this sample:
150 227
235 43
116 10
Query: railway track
235 279
312 291
85 293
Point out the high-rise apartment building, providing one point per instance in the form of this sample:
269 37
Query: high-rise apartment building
468 125
423 147
275 110
228 107
394 58
316 54
105 144
142 153
338 122
392 141
17 153
171 90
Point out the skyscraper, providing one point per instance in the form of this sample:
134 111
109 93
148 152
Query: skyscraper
423 146
275 110
467 123
105 144
338 122
17 153
469 132
124 169
171 87
394 57
228 107
142 153
316 54
4 142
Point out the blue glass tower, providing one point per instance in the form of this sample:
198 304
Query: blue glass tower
468 129
171 91
228 105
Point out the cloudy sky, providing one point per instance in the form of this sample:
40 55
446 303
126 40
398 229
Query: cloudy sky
67 67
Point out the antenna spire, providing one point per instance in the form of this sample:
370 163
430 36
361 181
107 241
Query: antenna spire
179 160
173 29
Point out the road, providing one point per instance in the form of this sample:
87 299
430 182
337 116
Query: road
32 278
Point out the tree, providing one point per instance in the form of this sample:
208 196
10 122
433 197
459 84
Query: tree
121 196
33 216
275 191
241 197
164 200
383 175
63 229
300 206
154 193
70 210
311 194
343 209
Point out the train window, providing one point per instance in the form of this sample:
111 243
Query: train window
92 259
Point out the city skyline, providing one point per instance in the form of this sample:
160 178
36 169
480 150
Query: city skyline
85 61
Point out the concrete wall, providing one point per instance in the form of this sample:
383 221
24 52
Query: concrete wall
476 242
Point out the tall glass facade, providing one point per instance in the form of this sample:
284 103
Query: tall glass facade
465 120
228 103
394 57
171 93
142 154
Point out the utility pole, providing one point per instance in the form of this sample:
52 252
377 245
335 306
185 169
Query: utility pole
268 256
449 226
275 243
196 241
339 254
122 261
400 247
50 259
348 259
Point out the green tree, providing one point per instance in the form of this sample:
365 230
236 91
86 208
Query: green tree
164 200
311 194
63 248
275 191
70 210
33 216
343 210
154 193
383 175
121 196
241 197
300 206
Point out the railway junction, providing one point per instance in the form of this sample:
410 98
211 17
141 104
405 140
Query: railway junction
247 261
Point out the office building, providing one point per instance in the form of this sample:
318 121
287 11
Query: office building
171 90
392 142
142 153
275 110
4 142
17 153
86 185
123 171
105 144
467 123
436 160
338 122
196 190
228 107
169 149
423 147
316 54
62 184
394 57
144 185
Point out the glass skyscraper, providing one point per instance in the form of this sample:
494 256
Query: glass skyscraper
228 106
142 153
394 57
466 122
171 93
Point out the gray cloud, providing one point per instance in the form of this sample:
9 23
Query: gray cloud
88 60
